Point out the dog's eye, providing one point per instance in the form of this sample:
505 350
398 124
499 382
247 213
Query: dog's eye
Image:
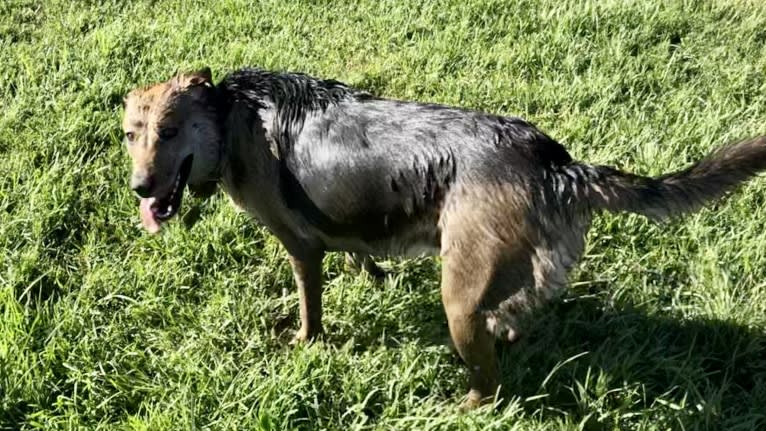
130 136
168 133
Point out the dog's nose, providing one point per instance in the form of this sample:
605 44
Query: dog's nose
142 185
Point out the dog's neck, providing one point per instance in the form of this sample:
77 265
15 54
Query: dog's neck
283 100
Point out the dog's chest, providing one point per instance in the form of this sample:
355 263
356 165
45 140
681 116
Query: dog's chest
261 202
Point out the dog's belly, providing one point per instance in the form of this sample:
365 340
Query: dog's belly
392 248
413 241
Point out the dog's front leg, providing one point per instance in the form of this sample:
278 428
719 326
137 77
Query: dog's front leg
307 271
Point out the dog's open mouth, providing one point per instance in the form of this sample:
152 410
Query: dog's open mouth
158 209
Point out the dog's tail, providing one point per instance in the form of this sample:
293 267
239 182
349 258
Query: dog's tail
678 193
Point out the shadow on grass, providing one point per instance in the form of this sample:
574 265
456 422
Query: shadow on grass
600 365
584 360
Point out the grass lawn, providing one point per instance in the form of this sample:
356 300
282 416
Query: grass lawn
105 327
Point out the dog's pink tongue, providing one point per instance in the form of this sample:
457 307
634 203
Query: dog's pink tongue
150 222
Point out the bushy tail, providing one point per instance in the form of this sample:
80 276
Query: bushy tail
673 194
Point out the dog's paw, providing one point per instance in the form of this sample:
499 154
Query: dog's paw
374 270
473 401
304 336
356 263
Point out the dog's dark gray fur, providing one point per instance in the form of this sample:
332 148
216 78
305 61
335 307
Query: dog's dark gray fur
331 168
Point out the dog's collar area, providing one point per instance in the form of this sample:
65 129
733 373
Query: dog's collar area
217 171
203 190
217 103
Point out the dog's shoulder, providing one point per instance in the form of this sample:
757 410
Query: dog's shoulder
269 88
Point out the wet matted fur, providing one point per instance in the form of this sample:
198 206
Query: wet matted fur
327 167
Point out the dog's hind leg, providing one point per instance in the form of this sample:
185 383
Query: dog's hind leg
462 285
307 271
359 262
486 257
468 268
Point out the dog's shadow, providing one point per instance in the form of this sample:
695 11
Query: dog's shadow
584 355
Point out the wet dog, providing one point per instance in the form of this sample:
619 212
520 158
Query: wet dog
327 167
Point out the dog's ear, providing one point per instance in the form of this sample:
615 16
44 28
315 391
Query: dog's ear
203 77
127 97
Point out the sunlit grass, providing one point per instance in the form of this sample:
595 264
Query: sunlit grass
104 327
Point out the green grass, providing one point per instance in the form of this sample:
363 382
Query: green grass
105 327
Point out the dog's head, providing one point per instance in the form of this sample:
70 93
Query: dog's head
173 139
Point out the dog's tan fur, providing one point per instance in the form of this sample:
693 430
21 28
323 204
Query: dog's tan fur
505 249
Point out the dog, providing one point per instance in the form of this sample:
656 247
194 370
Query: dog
328 167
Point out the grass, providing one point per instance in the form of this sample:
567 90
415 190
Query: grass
104 327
